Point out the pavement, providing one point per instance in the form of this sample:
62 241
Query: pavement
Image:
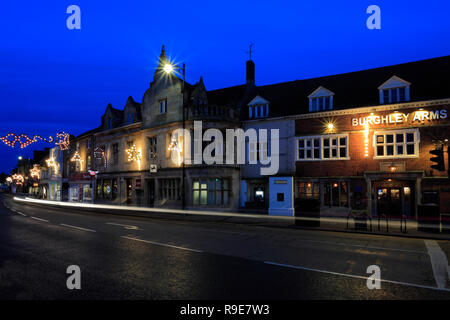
129 257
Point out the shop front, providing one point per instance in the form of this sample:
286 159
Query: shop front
81 188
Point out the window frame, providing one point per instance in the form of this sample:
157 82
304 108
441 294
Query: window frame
397 94
315 103
162 106
321 147
394 133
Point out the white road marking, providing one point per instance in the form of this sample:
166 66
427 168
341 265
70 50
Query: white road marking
22 214
75 227
363 246
126 226
161 244
39 219
439 263
355 276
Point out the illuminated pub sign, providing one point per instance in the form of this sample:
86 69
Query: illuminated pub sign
400 118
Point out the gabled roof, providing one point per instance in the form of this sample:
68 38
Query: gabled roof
430 79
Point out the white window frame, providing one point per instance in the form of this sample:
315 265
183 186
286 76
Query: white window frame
315 108
258 111
397 89
321 147
395 144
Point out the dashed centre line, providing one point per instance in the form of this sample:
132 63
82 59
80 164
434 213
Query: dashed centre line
161 244
43 220
75 227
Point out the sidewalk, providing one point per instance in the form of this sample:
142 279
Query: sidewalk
407 228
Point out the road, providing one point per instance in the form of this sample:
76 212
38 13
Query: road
152 258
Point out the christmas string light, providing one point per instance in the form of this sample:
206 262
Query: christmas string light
174 147
134 155
11 139
24 140
62 140
99 153
17 178
51 162
35 172
77 158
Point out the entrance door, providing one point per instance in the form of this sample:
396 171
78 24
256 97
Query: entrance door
151 192
389 201
129 187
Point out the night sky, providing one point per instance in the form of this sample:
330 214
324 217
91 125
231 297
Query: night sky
53 79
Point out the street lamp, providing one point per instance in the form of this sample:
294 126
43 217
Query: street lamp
169 68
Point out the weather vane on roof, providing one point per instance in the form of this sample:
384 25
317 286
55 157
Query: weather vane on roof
250 47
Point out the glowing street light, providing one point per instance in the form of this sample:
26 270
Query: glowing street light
169 69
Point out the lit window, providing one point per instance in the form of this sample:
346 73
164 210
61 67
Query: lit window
213 192
326 147
396 144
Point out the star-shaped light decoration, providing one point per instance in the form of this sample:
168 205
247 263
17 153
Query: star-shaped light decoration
134 155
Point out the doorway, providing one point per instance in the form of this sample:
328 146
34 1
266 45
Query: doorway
151 192
129 193
389 201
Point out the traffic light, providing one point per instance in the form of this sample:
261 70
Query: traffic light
438 159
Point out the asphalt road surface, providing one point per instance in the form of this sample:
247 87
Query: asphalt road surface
152 258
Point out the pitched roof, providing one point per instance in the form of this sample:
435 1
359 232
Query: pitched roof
430 79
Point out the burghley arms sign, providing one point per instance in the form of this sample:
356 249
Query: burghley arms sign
400 118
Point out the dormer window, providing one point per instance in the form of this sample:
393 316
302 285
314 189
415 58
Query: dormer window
321 99
163 106
109 123
394 90
130 118
258 108
258 111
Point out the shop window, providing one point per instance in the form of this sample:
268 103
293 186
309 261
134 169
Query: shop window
326 147
107 189
210 192
335 194
169 189
396 143
307 190
99 189
115 189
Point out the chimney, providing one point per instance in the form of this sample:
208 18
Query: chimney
250 72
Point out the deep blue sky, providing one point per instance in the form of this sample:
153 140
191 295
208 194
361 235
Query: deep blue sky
54 79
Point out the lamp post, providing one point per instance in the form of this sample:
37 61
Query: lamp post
169 69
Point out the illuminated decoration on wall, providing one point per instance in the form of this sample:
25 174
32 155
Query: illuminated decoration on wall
35 172
99 153
62 140
366 140
176 151
9 179
134 155
52 163
17 178
77 158
11 139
